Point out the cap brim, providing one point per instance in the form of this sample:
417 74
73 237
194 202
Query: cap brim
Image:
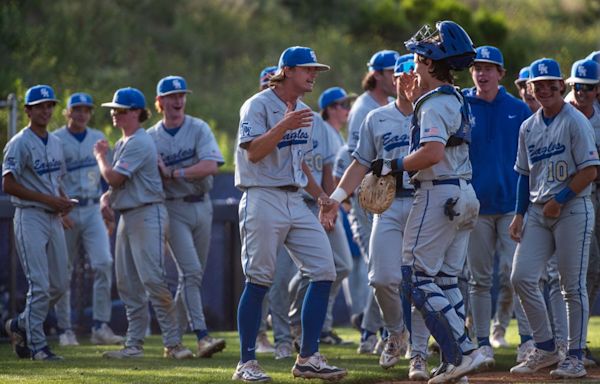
42 101
115 105
320 67
175 91
579 80
539 78
519 81
81 105
488 61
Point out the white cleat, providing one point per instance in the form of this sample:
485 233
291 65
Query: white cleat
105 336
250 372
570 368
391 351
132 352
488 354
417 370
497 339
524 350
68 339
368 345
263 345
470 363
316 367
177 352
536 360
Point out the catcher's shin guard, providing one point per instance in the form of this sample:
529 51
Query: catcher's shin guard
438 325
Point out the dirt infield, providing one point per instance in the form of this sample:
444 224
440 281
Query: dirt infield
543 376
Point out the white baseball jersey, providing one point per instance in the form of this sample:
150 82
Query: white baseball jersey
384 135
36 166
192 143
282 166
551 155
364 104
136 157
439 118
83 175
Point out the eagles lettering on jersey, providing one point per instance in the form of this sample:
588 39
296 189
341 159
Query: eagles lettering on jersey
85 162
43 167
296 137
545 152
390 142
176 158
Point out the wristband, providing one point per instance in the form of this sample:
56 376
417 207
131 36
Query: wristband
398 165
565 195
339 195
181 173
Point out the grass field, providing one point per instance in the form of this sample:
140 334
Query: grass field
84 364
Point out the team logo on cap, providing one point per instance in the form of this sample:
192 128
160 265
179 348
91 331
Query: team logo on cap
177 84
581 71
543 69
485 53
45 92
312 54
82 98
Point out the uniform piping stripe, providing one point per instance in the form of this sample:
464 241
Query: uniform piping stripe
582 278
420 227
245 231
27 276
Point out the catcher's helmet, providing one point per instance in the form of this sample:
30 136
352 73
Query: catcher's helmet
448 42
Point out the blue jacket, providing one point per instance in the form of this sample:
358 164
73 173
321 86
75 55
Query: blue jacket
493 149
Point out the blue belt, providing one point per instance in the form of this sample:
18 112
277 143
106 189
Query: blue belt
456 182
189 198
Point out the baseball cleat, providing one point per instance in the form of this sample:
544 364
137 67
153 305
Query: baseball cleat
125 353
571 367
391 351
263 345
331 338
450 373
45 354
68 339
283 350
417 370
497 340
250 372
208 346
178 352
367 346
18 339
316 367
488 354
524 350
104 335
536 360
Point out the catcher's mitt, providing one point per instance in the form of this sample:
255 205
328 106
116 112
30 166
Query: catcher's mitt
376 194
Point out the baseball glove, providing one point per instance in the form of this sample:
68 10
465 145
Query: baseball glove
376 194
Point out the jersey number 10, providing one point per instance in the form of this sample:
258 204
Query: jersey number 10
557 171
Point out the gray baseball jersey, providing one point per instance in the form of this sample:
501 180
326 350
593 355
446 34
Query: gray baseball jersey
39 236
35 165
282 166
82 181
322 152
337 138
83 175
364 104
190 224
136 157
385 134
550 154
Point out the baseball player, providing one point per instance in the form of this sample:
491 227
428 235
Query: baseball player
136 192
584 84
274 136
521 84
495 120
32 170
189 157
378 89
84 225
445 206
385 134
556 162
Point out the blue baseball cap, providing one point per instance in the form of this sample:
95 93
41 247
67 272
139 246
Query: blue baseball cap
171 84
594 56
404 64
489 54
584 71
127 98
544 69
523 75
266 74
80 99
300 57
333 95
381 60
39 94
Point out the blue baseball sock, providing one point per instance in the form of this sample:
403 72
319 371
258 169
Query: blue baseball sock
314 308
200 333
365 334
578 353
481 341
548 345
525 338
97 324
248 318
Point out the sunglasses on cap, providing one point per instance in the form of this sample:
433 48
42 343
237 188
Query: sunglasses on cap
119 111
584 87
